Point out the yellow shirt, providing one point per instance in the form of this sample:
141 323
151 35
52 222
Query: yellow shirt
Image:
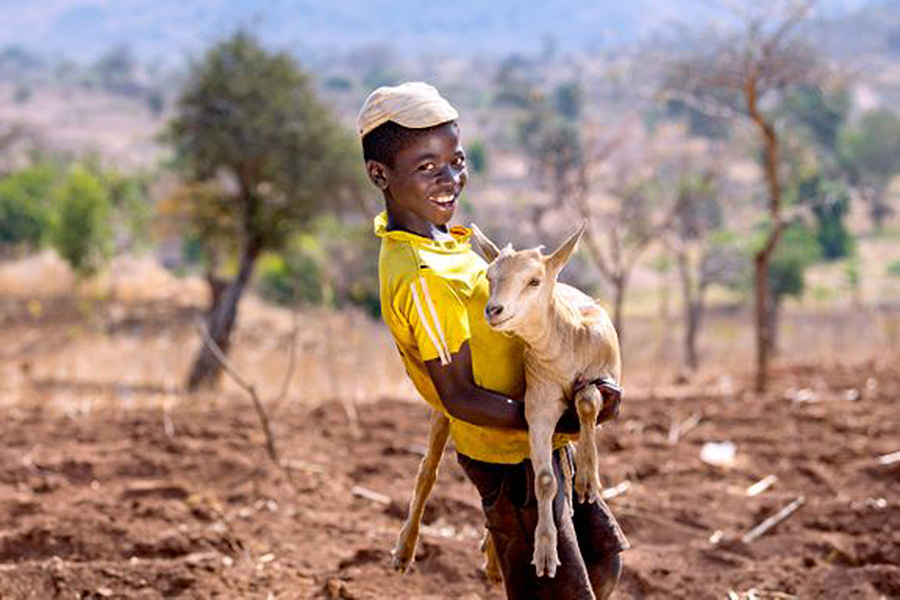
432 298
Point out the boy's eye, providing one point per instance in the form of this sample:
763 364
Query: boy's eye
427 166
534 282
459 161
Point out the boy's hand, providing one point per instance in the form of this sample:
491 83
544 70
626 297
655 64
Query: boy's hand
612 396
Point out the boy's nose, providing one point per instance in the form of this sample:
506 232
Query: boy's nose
448 174
492 310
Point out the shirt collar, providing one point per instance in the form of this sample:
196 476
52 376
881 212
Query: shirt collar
459 243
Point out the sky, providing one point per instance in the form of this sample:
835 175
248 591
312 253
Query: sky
168 30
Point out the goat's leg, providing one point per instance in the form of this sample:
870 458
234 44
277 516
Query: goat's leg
542 418
491 562
588 401
405 548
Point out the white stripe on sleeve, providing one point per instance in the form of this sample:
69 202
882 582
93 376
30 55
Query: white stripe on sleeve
445 359
437 322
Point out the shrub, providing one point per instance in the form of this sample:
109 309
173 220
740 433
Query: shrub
81 231
25 207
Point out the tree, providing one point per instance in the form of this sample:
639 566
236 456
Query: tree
609 181
249 126
820 112
705 252
631 209
754 63
81 231
870 151
829 201
798 250
25 207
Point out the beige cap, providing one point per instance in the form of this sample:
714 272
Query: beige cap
413 104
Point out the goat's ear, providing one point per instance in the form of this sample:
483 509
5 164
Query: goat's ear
560 256
487 248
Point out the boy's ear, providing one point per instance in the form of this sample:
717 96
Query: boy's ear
377 174
487 248
556 261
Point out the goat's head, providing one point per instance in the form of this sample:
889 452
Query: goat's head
521 281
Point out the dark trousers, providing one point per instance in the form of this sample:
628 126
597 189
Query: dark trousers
585 542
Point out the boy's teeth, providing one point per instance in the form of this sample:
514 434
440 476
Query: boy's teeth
442 199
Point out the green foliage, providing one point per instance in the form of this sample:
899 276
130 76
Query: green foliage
820 113
553 142
893 269
79 211
512 84
129 197
870 154
476 157
25 206
569 100
291 278
872 148
829 201
251 119
797 250
331 264
81 231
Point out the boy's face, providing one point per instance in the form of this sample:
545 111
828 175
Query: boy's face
423 184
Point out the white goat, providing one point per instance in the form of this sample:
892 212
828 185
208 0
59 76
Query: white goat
567 336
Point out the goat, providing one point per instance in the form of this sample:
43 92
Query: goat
568 336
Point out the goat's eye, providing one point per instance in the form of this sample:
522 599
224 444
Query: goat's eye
534 282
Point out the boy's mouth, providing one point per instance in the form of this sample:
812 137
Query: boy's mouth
445 201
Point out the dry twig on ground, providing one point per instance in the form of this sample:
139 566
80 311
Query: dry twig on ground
247 387
764 527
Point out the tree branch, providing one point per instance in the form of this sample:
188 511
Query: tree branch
244 385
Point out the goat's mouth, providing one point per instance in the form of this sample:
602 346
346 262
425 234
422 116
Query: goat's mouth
495 323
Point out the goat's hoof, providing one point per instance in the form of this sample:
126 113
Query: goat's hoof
545 559
588 489
401 558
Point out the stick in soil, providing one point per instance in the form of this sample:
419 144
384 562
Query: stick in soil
764 527
889 459
678 430
244 385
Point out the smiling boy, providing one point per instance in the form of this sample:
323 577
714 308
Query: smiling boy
433 292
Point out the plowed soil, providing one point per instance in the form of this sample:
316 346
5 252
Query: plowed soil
118 502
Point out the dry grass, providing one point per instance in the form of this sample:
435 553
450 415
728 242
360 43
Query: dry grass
127 336
127 339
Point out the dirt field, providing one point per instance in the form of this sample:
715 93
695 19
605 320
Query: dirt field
177 498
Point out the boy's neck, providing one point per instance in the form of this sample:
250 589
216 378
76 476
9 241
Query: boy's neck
395 222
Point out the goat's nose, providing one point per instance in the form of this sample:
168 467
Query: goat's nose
492 310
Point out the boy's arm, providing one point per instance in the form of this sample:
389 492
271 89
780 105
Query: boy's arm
468 402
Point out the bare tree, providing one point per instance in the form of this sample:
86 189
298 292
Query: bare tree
701 247
616 189
735 75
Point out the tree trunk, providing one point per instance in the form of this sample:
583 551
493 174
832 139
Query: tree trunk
220 321
775 306
763 256
763 336
620 282
691 312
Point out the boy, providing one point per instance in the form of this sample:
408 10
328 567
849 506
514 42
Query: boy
433 293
